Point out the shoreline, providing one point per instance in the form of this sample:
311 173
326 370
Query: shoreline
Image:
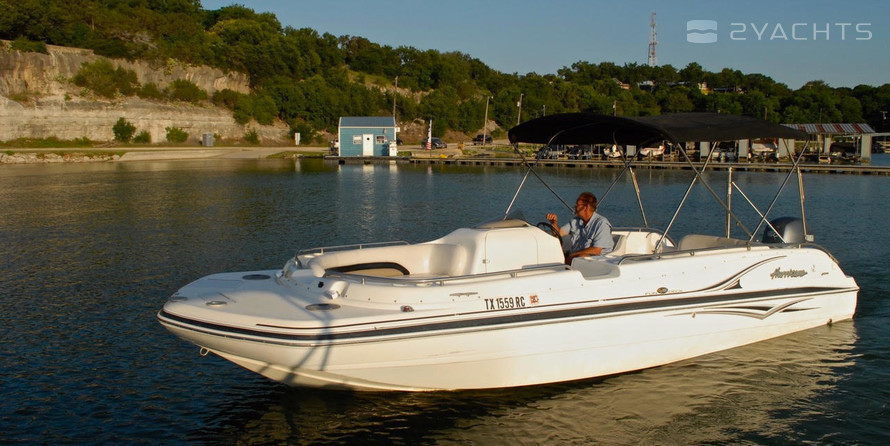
31 156
118 154
123 154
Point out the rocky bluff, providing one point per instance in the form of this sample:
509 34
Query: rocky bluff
38 99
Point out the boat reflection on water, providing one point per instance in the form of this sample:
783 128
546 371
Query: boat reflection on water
761 393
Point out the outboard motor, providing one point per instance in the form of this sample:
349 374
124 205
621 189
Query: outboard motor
790 229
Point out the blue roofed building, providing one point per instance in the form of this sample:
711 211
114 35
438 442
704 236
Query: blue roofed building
368 136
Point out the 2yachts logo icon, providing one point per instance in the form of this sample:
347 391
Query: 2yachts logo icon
705 31
701 31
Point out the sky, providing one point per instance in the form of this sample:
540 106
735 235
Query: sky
843 43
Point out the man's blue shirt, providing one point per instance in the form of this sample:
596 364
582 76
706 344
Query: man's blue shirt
596 233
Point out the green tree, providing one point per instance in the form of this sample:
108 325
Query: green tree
24 45
150 91
176 135
123 130
252 137
186 91
142 137
693 73
676 101
103 79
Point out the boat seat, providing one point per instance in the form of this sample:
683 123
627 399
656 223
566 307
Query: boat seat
620 241
636 242
427 259
700 241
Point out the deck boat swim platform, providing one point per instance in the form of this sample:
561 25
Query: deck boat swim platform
494 305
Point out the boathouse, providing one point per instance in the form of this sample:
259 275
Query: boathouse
857 135
367 136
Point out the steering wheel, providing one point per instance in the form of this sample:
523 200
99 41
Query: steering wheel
548 228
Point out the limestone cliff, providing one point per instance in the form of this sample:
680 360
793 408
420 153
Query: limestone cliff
38 99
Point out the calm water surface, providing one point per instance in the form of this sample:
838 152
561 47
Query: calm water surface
89 254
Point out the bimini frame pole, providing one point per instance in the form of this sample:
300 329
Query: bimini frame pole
803 212
729 202
698 175
531 170
628 167
633 176
794 168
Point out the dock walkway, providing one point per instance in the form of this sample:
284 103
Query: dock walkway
595 164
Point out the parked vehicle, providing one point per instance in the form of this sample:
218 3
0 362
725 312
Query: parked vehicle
436 143
478 139
335 145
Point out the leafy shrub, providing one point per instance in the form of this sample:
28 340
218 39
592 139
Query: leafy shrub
264 109
242 112
227 98
102 78
47 143
176 134
27 46
260 107
123 130
150 91
142 137
113 48
183 90
252 137
307 133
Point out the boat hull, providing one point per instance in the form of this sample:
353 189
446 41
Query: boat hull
527 353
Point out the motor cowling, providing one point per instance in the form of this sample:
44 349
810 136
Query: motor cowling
789 228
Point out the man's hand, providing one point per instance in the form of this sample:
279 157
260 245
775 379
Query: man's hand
552 219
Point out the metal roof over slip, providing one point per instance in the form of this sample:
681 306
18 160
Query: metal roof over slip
833 128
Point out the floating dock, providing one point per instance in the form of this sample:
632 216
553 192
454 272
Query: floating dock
854 169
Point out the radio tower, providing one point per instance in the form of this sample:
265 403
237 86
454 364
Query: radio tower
653 61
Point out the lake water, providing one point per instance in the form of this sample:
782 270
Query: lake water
90 252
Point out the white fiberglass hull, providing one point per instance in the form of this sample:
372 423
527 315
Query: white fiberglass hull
515 328
519 356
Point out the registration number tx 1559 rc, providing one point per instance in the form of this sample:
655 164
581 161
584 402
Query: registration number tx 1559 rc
505 303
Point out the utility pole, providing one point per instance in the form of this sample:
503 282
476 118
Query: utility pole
394 93
485 123
519 105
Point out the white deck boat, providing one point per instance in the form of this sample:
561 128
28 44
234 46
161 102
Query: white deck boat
495 306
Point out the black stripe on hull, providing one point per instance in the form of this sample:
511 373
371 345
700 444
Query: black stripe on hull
494 322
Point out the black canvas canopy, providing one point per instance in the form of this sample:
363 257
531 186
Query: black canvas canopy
590 128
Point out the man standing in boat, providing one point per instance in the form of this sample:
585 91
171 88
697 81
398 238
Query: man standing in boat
590 234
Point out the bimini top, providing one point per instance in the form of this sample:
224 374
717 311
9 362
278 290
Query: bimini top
590 128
